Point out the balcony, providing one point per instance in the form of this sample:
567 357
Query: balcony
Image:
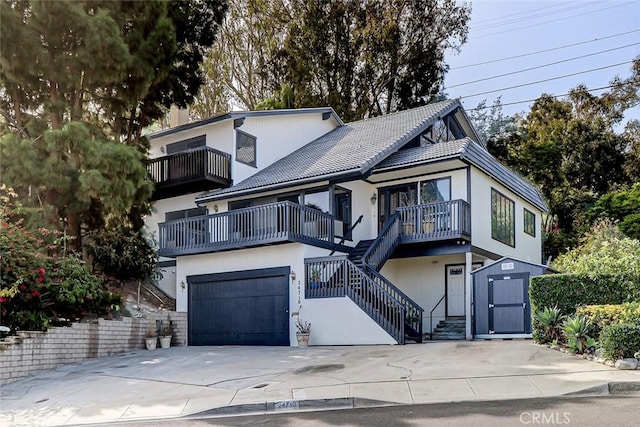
243 228
189 172
435 222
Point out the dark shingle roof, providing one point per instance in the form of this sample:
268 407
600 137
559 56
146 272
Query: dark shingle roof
353 148
467 149
424 153
358 147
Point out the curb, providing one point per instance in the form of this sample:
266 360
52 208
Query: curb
608 389
283 406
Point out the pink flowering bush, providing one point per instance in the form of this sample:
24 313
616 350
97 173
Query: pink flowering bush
38 284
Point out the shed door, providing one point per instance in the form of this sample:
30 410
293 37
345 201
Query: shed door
239 308
508 304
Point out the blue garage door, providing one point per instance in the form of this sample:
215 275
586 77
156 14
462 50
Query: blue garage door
240 308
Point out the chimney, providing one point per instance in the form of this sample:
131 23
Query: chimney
178 116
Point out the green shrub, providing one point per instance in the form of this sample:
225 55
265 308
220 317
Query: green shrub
610 314
576 329
569 291
620 341
38 285
550 320
124 253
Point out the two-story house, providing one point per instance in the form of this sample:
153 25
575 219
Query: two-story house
368 230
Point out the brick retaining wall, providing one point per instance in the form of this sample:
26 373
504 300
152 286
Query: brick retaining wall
38 351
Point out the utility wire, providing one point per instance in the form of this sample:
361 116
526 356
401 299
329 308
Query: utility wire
544 51
546 80
553 20
553 96
542 66
531 17
521 13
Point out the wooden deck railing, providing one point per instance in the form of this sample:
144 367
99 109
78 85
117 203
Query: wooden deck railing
189 166
258 225
435 221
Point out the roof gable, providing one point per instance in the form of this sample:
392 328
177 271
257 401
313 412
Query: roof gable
354 148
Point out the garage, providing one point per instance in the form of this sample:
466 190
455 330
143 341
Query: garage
248 307
501 306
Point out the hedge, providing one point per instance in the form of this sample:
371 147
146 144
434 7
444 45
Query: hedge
569 291
620 341
601 316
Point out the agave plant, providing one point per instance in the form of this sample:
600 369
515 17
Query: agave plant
575 329
551 320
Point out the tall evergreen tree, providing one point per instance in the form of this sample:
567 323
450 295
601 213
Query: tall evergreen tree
79 78
361 57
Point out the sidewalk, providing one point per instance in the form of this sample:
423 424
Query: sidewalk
183 381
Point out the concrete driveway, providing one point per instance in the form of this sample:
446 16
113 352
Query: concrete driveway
183 381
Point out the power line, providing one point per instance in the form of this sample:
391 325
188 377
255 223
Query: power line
553 20
531 17
544 51
546 80
553 96
543 65
521 13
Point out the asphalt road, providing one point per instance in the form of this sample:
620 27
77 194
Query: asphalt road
616 411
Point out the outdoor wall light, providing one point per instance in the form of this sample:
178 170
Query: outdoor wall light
215 208
374 198
293 275
182 285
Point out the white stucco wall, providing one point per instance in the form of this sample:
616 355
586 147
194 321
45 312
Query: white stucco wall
527 247
423 280
339 321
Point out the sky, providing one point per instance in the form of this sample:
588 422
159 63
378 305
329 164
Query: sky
507 28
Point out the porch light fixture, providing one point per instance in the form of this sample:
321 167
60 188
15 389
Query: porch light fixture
374 198
182 285
215 208
293 275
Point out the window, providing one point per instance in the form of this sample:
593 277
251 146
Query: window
187 213
245 148
435 190
502 218
529 223
187 144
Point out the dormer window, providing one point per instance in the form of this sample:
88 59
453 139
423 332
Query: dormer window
245 148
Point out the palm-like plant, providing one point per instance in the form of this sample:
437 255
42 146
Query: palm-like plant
551 320
575 329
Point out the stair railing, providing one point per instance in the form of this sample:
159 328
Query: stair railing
348 233
431 316
413 311
384 245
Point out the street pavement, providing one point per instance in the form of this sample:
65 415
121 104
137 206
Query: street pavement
187 381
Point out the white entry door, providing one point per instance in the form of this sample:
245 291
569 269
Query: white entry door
455 290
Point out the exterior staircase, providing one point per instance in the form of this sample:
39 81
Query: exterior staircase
453 328
358 277
359 250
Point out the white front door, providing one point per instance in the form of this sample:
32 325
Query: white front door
455 290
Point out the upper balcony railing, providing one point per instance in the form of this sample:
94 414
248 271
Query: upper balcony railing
241 228
190 171
435 221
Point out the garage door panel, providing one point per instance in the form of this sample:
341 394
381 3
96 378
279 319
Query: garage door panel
248 308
